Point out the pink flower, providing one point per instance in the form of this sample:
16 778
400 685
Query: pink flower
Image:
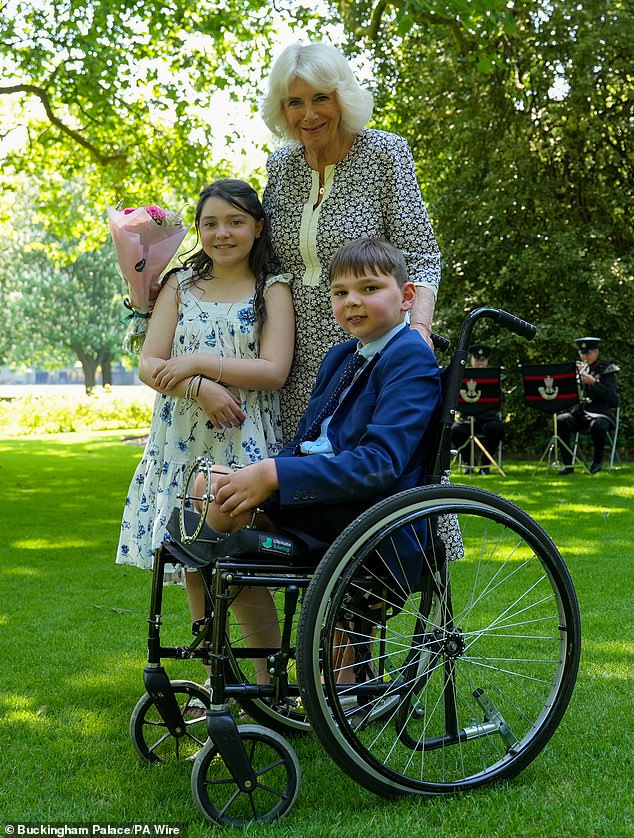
156 213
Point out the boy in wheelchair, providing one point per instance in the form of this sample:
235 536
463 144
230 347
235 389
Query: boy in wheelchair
361 438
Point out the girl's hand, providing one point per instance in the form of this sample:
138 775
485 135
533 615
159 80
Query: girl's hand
221 406
169 373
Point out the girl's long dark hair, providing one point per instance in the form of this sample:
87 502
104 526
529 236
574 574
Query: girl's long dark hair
242 196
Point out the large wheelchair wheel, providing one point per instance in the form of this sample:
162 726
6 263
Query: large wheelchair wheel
150 735
222 799
452 681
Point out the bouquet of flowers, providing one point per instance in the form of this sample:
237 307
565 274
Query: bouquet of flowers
145 240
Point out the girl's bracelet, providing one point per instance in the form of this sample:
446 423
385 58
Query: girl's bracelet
220 359
189 388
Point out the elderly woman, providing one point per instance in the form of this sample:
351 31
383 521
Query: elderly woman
333 182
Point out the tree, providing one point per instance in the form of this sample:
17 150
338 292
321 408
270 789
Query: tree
59 306
526 160
62 313
123 96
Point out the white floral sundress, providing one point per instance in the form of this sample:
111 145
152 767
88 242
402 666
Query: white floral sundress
180 430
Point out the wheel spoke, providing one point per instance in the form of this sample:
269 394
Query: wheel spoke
267 754
471 667
151 736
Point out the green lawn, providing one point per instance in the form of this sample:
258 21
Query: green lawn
73 634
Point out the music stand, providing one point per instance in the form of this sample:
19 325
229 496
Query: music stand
480 392
553 389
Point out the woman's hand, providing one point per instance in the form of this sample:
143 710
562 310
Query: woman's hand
221 406
422 312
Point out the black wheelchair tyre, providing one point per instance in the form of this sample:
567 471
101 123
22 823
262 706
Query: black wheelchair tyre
150 735
221 800
460 679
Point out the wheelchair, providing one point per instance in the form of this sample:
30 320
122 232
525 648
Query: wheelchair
424 664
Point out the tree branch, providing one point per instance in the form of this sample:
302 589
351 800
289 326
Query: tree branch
375 22
372 31
42 95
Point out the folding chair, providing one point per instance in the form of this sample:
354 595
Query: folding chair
613 437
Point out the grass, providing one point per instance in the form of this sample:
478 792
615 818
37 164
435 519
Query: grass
73 633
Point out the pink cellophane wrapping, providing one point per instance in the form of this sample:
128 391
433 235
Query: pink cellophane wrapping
144 249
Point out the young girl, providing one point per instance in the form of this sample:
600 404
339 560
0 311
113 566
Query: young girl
218 347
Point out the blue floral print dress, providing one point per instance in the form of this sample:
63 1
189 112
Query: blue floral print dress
180 430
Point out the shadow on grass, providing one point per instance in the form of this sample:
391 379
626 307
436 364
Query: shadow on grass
73 633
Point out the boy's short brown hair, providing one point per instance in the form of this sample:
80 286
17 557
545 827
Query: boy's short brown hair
362 255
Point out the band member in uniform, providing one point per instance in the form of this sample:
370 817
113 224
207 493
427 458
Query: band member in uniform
599 395
487 426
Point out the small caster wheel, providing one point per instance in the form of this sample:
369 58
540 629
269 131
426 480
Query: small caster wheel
278 776
150 736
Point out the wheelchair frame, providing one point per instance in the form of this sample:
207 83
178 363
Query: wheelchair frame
432 683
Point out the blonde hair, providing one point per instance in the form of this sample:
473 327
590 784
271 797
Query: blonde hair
323 67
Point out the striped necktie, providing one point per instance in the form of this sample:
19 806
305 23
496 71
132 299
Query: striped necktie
347 374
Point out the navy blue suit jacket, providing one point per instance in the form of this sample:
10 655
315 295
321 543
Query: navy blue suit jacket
376 432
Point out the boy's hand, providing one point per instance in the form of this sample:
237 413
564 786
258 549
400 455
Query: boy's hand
243 490
168 373
221 406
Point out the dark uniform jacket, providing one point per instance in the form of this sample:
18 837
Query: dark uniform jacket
600 398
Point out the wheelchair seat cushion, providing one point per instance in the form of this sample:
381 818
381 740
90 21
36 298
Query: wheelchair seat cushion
253 544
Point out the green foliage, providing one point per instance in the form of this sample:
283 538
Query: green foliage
49 414
121 94
527 174
474 24
77 308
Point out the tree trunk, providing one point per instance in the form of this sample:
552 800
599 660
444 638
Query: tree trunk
106 368
89 366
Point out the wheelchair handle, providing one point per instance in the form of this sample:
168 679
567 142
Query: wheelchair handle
441 343
454 372
515 324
